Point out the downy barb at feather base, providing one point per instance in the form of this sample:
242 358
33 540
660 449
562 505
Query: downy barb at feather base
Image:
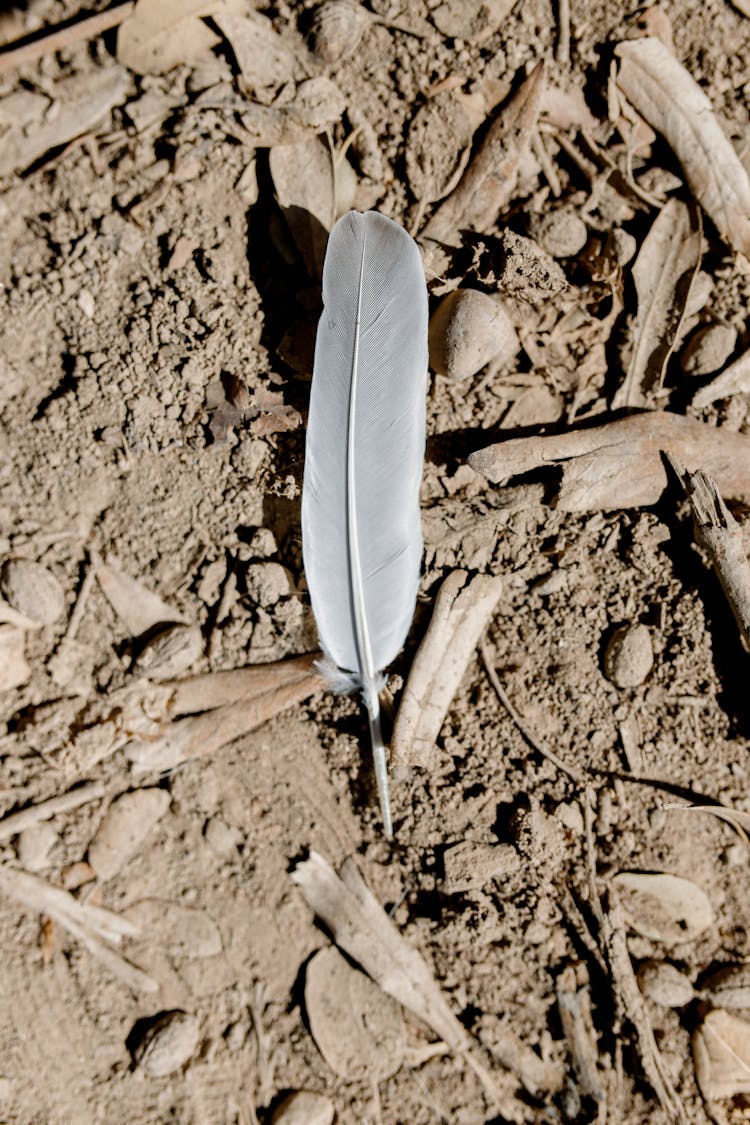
361 529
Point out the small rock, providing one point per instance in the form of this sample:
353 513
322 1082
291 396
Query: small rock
467 330
32 590
172 650
571 816
267 582
303 1107
222 838
662 906
629 656
167 1044
625 246
526 270
708 349
665 984
77 875
562 233
469 866
263 543
125 826
14 667
729 987
35 844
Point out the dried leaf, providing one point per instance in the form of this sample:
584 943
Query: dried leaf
137 607
663 92
79 106
460 615
303 178
161 34
262 56
621 464
489 181
362 929
663 272
663 907
357 1028
738 818
275 416
721 1056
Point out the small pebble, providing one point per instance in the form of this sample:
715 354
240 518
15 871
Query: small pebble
126 824
467 330
35 844
664 984
166 1046
303 1107
222 837
629 656
32 590
562 233
708 349
336 29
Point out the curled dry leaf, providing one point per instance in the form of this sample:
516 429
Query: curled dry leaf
460 615
161 34
661 90
621 464
729 987
125 826
358 1029
168 653
721 1056
663 907
663 273
303 179
264 60
489 181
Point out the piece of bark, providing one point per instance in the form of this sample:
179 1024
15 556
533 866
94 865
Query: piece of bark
734 380
215 689
199 735
362 929
489 181
663 272
460 615
621 464
720 536
664 93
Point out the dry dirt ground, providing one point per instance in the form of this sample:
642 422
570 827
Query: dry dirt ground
158 308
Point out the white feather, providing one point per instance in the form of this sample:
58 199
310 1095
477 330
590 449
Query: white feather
361 529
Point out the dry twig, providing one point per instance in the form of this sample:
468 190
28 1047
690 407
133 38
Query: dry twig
28 50
18 821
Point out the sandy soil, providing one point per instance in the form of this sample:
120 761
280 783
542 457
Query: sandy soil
155 363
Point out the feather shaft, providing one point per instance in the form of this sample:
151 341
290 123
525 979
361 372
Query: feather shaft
361 532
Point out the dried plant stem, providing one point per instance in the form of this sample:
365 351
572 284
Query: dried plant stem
503 697
45 810
24 51
562 51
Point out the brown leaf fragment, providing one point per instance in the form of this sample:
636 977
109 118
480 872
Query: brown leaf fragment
620 464
460 615
664 93
161 34
30 133
663 273
720 536
362 929
138 608
489 181
304 182
229 403
206 733
358 1029
721 1056
734 380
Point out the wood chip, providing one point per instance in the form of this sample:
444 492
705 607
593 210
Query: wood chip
161 34
489 181
663 273
19 821
663 907
138 608
358 1029
620 464
720 536
664 93
721 1056
124 828
461 613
